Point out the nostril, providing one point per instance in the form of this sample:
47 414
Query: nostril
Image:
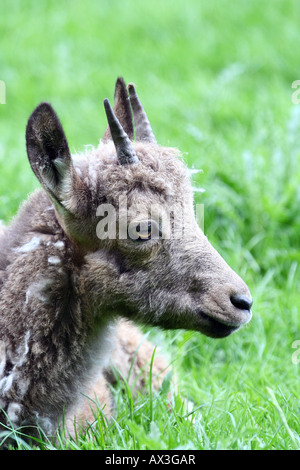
241 301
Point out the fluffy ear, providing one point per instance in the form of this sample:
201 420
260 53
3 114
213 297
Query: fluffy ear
48 151
122 110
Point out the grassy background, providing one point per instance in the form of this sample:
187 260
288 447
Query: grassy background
215 78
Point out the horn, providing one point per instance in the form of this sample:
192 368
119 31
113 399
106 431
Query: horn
143 129
124 148
122 110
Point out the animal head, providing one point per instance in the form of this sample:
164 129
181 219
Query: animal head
127 207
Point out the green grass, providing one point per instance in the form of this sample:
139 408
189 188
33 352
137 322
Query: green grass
215 78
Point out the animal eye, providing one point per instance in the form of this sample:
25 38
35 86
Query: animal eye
145 231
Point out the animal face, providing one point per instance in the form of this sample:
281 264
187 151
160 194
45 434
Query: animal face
127 207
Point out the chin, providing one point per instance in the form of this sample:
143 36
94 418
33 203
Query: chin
213 328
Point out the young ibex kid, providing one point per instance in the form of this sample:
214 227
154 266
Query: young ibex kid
66 281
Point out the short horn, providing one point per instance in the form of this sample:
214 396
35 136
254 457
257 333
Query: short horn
125 151
143 131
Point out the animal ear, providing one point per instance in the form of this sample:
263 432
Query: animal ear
48 150
122 110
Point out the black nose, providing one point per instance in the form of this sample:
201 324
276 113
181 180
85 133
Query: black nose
241 301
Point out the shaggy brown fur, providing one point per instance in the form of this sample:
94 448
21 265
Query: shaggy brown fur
64 289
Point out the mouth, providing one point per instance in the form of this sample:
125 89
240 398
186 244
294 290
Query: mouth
215 328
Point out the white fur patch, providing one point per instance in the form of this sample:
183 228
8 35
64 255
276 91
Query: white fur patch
34 243
13 412
23 386
6 383
36 289
23 350
59 244
54 260
2 357
18 360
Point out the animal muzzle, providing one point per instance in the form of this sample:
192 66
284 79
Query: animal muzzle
223 313
223 299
